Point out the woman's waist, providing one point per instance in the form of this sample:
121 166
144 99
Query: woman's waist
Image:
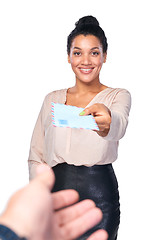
94 173
76 160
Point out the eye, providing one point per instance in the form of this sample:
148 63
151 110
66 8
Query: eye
95 53
77 53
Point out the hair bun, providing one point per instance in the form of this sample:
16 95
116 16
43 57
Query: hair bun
87 20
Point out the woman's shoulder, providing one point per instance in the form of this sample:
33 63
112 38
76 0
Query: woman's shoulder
110 91
120 95
116 95
56 96
117 90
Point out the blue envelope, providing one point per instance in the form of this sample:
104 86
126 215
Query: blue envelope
68 116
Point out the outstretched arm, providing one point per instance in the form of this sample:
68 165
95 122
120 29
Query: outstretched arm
112 121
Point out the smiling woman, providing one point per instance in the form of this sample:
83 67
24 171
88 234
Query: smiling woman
82 159
86 58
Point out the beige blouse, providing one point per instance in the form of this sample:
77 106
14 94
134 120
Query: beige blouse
53 145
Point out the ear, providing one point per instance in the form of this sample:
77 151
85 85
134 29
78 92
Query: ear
105 57
69 60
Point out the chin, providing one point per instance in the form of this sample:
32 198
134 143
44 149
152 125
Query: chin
86 80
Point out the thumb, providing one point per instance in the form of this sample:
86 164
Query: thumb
89 110
42 168
45 175
86 111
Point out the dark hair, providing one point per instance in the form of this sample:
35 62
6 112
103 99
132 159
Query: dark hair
88 25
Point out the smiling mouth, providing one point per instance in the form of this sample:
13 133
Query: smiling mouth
86 70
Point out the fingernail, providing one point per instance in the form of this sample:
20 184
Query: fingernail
82 113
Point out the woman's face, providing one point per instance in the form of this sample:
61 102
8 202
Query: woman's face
86 58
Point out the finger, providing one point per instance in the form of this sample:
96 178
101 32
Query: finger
45 175
100 120
64 198
73 212
99 234
79 226
90 110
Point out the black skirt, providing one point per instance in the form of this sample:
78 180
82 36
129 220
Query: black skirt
98 183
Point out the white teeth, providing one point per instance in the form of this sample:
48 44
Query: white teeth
86 70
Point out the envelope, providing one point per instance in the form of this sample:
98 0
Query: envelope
68 116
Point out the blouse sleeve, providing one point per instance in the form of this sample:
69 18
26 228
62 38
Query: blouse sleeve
120 109
37 143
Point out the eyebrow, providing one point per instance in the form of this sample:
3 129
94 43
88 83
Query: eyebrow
91 48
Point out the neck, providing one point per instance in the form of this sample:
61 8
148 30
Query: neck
81 87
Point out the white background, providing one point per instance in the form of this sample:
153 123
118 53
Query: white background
33 62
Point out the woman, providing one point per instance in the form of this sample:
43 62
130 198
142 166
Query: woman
82 159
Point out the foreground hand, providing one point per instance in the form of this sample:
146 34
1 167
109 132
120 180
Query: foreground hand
36 213
102 117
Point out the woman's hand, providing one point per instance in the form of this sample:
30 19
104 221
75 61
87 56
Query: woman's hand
102 117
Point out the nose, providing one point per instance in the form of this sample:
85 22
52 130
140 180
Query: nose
86 60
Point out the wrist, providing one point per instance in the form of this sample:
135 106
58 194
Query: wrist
15 227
